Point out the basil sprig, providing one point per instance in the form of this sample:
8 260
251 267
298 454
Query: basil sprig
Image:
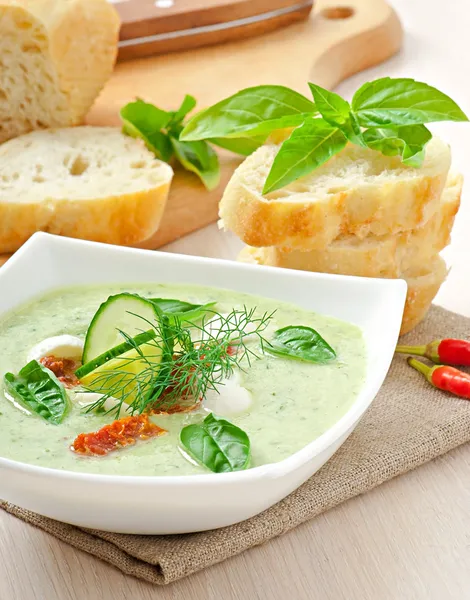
217 444
161 129
301 343
39 390
387 115
184 311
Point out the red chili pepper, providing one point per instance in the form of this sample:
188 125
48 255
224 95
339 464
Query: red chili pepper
444 378
446 352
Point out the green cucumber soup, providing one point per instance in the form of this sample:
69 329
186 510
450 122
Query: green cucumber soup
292 401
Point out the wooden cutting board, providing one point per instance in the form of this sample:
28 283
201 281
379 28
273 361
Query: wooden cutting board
150 27
336 41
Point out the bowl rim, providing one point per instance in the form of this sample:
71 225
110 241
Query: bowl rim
267 471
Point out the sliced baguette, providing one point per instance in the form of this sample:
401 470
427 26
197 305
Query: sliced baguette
55 57
378 256
358 191
423 285
92 183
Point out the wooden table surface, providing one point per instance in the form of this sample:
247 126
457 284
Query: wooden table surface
406 540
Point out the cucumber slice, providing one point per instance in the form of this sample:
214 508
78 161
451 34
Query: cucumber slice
114 352
124 312
120 369
130 375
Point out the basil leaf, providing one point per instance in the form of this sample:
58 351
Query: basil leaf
267 127
257 110
308 147
353 132
332 107
407 142
199 158
386 102
184 311
187 106
242 145
146 117
217 444
160 144
39 390
301 343
143 120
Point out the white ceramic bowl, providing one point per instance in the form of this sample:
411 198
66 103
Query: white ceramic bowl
163 505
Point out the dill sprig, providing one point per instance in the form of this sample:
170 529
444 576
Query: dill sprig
195 357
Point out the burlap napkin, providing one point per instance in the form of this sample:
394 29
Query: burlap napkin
408 424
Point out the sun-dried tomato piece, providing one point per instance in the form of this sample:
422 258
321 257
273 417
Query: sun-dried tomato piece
171 409
119 433
63 368
166 403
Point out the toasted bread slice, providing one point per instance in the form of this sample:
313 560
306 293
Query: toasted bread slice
423 285
56 57
359 191
93 183
378 256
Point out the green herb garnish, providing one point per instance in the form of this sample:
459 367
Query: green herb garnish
217 444
251 112
192 361
161 130
184 311
199 158
39 390
301 343
387 115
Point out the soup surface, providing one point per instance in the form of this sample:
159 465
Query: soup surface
293 402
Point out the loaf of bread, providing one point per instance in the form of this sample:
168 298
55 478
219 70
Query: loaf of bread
55 57
92 183
378 256
423 284
357 192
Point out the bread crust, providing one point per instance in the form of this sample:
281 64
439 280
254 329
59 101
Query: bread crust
296 218
422 289
379 256
123 220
